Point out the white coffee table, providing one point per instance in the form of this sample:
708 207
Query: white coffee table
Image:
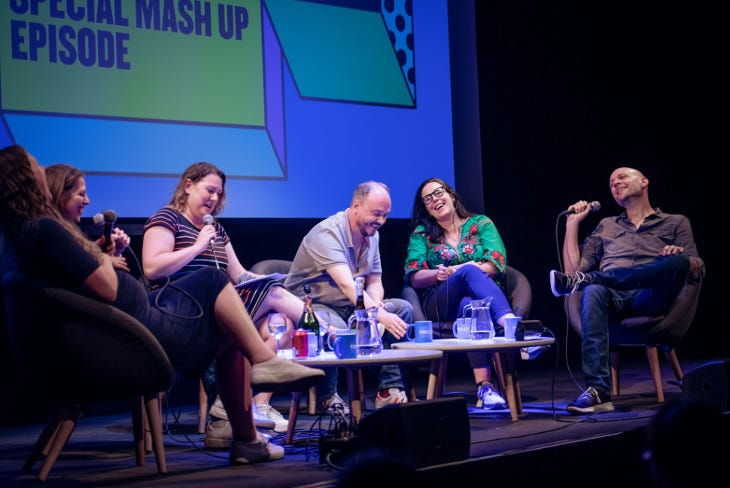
504 355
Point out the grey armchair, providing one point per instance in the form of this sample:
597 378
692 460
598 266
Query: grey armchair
653 333
76 351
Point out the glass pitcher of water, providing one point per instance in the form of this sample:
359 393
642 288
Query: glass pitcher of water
367 334
479 319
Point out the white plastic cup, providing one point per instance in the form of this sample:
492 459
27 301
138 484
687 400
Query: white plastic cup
510 327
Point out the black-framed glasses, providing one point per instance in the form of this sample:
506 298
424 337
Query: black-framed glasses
437 193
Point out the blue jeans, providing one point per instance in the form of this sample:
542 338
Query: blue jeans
645 289
447 301
389 375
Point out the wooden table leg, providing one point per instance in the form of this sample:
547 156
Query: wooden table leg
511 386
516 382
353 391
437 378
293 407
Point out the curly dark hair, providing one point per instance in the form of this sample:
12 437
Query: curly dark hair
420 215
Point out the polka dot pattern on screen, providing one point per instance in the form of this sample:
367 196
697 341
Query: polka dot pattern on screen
398 16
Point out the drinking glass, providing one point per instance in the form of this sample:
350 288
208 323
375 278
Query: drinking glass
323 316
277 327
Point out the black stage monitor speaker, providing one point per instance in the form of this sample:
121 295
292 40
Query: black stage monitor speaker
421 433
708 382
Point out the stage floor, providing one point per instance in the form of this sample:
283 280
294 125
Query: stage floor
100 452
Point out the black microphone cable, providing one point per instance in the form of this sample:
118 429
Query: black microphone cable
595 206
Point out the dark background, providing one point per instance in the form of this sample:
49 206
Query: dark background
571 90
568 91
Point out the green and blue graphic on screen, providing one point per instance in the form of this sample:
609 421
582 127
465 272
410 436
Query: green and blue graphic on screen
146 87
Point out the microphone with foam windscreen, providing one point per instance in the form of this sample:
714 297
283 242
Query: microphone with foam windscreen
107 219
595 207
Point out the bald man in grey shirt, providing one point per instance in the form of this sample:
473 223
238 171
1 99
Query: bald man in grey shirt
334 252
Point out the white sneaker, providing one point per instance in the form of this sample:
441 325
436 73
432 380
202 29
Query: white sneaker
334 405
218 435
260 450
266 410
390 396
490 398
218 410
259 420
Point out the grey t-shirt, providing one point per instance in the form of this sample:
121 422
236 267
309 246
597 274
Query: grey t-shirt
327 244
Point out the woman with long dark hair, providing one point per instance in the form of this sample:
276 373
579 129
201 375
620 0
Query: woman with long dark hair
455 256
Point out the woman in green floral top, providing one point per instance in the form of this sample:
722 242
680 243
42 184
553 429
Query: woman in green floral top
449 243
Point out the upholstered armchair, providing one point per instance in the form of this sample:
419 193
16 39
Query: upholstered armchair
653 333
75 351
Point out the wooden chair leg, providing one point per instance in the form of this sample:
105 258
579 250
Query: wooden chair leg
312 401
361 389
154 414
671 356
653 356
45 439
66 426
615 373
499 372
202 408
140 427
147 428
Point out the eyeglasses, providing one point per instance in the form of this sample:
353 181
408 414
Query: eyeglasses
438 193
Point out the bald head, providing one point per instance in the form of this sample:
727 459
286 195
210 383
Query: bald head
629 185
368 188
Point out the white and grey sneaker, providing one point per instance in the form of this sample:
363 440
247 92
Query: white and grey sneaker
257 451
268 412
334 405
491 400
260 421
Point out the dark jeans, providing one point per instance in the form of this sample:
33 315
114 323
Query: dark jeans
645 289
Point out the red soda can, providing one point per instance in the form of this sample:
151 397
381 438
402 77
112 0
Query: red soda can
300 344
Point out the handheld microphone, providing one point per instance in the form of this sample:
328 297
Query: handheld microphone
208 220
107 219
595 207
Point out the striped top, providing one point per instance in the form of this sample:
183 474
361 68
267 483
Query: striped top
185 235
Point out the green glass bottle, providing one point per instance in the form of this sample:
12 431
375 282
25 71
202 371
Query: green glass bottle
308 321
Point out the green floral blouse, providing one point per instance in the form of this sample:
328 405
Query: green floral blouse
480 241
